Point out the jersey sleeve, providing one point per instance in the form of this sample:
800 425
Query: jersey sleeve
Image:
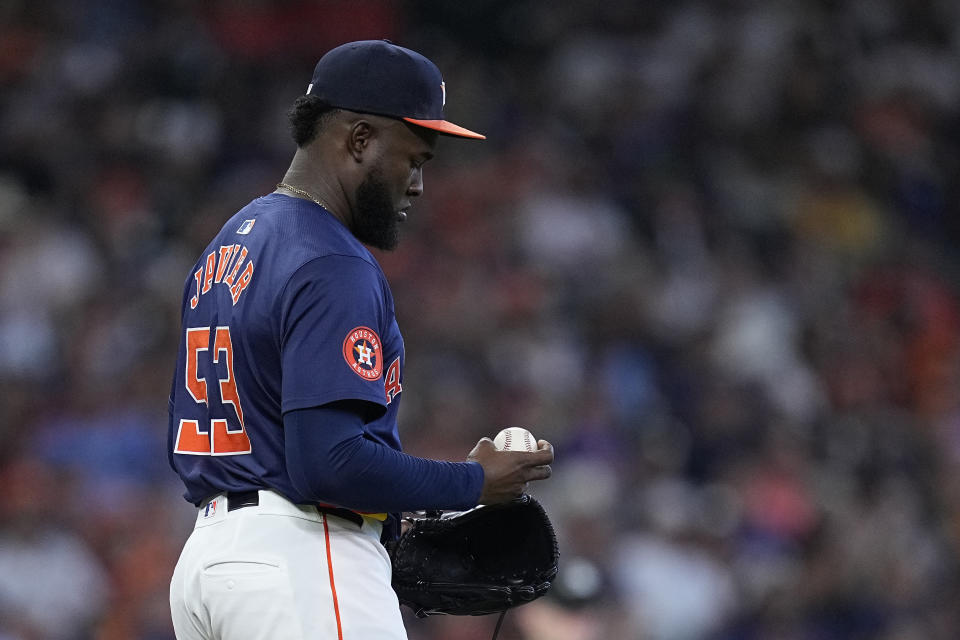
333 311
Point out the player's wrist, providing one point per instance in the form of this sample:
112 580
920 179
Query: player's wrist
477 480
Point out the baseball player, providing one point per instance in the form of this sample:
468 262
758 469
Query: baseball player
289 376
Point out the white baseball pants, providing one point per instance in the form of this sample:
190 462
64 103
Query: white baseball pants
283 571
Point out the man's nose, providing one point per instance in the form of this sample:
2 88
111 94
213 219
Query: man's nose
416 183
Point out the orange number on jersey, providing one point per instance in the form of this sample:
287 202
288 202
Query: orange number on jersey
219 440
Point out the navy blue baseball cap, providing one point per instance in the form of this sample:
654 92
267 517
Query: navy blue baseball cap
379 77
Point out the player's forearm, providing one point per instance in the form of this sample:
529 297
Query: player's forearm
329 460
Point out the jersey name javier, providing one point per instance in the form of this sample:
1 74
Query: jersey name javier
284 310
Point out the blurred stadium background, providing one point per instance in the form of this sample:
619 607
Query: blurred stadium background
709 250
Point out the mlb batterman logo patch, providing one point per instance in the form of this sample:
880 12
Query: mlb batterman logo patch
362 351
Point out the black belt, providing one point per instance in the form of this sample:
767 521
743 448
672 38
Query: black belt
241 499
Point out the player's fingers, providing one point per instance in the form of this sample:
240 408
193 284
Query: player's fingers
539 473
482 445
544 455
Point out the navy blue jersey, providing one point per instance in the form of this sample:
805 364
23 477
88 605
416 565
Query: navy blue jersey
285 310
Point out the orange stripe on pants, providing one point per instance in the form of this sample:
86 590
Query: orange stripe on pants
333 586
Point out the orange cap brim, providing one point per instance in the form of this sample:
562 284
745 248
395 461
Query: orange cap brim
447 127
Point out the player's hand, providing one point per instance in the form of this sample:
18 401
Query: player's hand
506 473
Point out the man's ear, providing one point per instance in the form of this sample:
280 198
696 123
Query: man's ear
361 134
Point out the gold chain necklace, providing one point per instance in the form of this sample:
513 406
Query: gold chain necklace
301 192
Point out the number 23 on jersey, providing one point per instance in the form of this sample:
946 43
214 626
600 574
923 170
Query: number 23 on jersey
218 438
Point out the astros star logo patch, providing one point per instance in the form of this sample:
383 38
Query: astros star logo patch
362 351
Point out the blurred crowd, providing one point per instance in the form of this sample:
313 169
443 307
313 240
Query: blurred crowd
709 250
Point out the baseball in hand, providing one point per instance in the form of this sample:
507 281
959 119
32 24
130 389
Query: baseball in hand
515 439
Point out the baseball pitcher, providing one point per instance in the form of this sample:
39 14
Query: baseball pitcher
289 376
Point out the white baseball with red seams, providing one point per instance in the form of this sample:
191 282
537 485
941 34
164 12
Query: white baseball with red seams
515 439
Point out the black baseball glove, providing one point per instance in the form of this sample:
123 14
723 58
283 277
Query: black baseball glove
481 561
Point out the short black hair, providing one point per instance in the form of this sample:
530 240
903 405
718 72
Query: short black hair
307 117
